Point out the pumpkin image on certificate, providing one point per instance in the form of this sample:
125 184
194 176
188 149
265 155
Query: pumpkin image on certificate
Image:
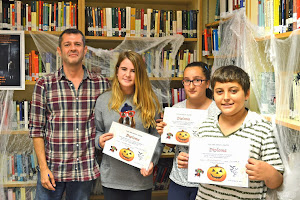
216 173
182 136
126 154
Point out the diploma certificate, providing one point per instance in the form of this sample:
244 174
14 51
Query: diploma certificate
181 123
131 146
220 161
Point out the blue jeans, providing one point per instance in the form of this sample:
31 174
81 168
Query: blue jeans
74 190
178 192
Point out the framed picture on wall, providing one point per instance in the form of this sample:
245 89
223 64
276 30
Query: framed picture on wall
12 60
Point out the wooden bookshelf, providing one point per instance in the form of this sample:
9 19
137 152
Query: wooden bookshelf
167 155
209 57
289 123
213 24
15 132
19 184
102 38
28 83
109 43
42 32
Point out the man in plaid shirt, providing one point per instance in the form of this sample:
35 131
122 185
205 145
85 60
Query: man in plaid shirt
62 124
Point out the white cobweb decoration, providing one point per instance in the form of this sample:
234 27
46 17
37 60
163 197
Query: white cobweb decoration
274 68
102 61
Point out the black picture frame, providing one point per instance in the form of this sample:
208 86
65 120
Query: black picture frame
12 60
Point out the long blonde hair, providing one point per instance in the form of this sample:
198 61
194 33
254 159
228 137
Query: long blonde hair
144 97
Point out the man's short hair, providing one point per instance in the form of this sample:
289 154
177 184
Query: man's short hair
231 73
70 31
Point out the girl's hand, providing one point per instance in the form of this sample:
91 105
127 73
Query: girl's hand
160 127
148 172
182 160
103 138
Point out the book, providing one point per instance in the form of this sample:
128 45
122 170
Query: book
132 21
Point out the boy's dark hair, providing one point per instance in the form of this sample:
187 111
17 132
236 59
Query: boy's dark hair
71 31
207 72
231 73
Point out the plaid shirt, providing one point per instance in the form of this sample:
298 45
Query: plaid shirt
65 118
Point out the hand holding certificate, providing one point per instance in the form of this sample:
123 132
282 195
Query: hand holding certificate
219 161
131 146
181 123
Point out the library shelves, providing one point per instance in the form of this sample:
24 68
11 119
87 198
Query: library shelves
289 123
13 184
286 122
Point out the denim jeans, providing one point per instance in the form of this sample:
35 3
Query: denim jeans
74 190
178 192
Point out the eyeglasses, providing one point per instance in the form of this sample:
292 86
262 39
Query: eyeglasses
196 82
127 114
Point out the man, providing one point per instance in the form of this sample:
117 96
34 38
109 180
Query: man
11 70
62 124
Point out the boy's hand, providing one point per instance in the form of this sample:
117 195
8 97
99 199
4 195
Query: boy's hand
182 160
160 127
260 170
257 169
103 138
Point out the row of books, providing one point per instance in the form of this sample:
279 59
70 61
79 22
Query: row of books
20 117
163 67
177 95
225 7
129 21
211 41
161 173
20 193
39 64
15 115
268 95
18 167
278 16
272 16
38 15
169 66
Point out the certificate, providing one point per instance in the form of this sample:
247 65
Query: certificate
181 123
220 161
131 146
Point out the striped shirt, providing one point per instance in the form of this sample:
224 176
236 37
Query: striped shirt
64 117
263 146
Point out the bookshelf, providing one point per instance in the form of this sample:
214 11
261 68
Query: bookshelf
289 123
13 184
281 121
110 42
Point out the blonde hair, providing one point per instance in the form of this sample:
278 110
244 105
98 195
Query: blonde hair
144 97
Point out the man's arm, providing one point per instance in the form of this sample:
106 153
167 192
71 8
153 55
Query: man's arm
46 174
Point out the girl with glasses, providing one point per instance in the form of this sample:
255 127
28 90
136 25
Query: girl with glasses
196 80
132 102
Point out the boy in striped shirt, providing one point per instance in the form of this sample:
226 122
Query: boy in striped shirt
231 88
